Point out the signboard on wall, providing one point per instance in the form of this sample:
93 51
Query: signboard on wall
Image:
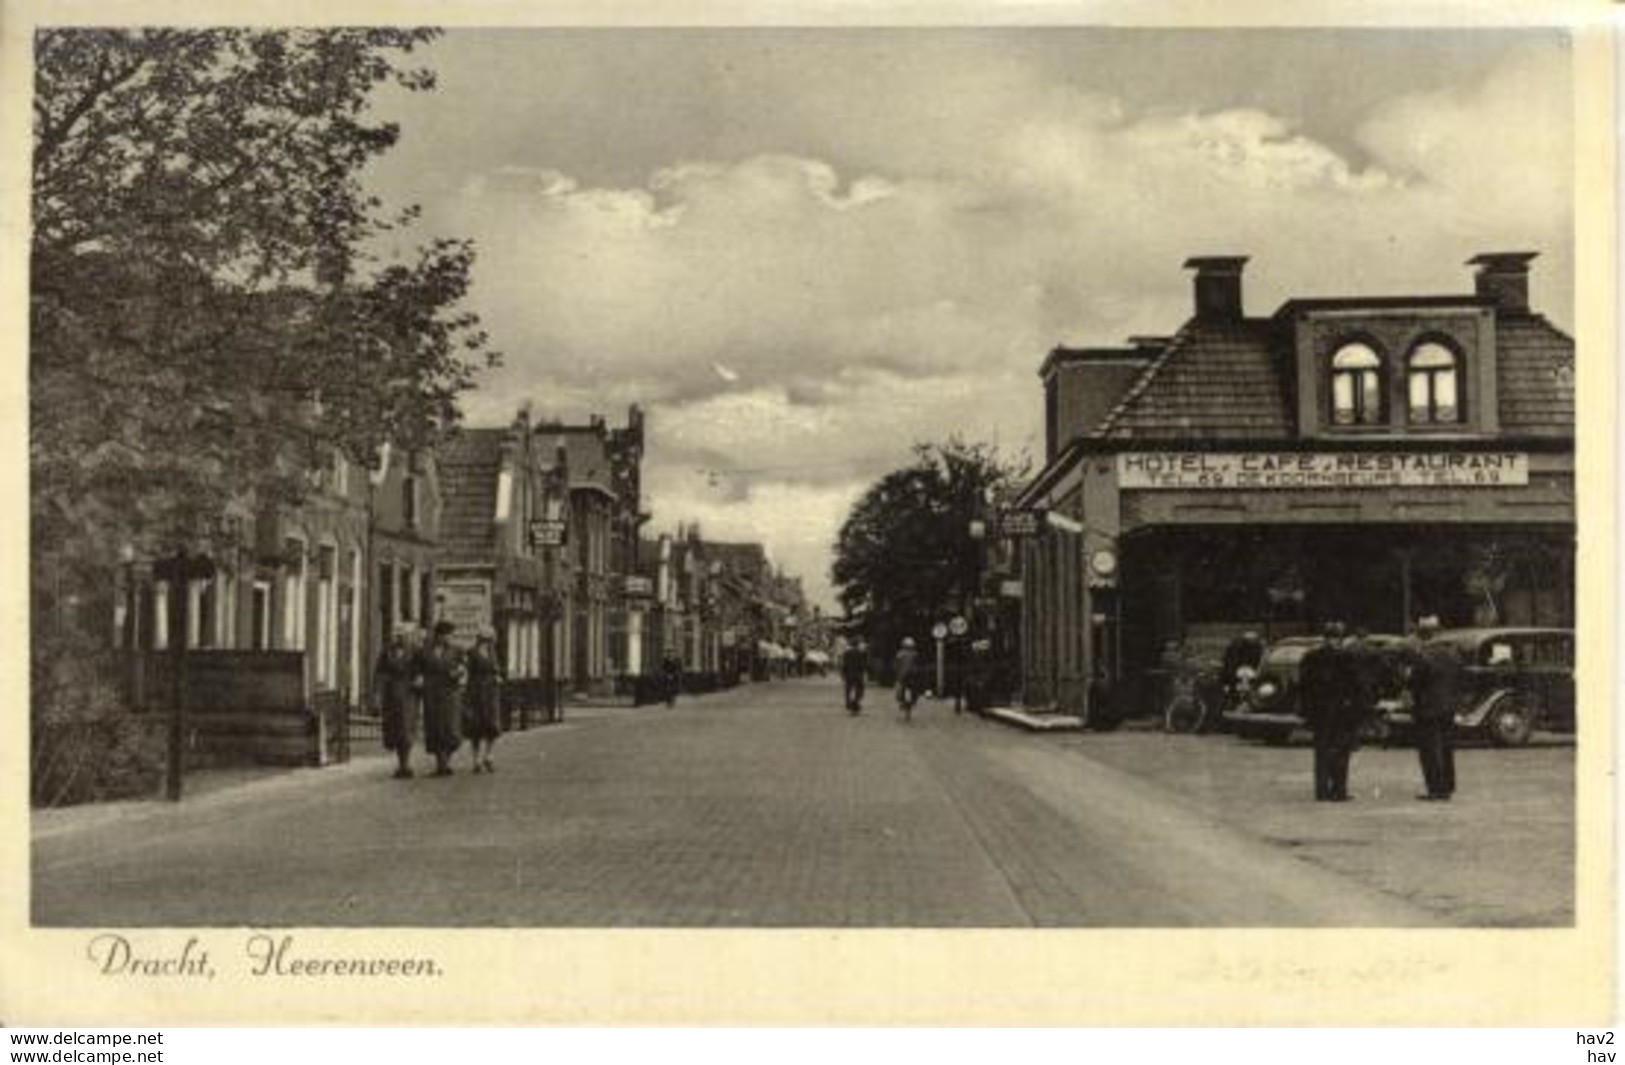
1019 523
467 605
1151 470
546 533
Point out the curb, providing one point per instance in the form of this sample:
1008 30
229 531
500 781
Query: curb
1035 722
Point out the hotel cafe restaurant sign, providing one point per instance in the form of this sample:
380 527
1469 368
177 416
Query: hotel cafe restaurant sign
1181 470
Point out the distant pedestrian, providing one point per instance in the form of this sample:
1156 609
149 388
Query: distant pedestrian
671 673
441 665
398 698
906 669
1324 698
1435 690
854 674
979 676
482 703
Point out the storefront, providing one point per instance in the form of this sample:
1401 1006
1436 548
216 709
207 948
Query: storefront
1360 460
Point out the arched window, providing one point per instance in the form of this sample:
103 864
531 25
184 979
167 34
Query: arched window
1433 387
1356 386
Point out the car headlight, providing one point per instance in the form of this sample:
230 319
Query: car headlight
1266 690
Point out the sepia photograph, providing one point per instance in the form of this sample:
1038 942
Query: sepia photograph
781 475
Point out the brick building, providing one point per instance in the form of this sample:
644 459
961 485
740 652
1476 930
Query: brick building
1367 459
604 628
492 571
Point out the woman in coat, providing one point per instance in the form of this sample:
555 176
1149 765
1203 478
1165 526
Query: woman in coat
441 665
398 698
482 706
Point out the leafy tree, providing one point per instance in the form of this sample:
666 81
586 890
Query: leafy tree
206 317
209 315
905 556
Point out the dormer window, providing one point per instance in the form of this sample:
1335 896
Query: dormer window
1432 385
1356 386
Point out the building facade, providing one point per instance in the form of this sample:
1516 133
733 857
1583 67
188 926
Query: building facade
604 616
1359 459
495 571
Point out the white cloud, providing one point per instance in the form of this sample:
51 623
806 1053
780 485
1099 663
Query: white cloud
857 313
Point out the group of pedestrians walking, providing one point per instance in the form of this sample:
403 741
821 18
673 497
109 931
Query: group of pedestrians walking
435 688
1339 684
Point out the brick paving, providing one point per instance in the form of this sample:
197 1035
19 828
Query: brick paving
762 807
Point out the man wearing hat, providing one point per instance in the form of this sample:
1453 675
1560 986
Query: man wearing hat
1324 696
1435 690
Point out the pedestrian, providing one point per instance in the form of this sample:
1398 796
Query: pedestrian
482 705
1323 697
397 698
979 676
905 666
854 670
1435 685
671 672
440 664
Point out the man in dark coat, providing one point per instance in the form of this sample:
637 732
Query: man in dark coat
1324 685
854 668
671 676
1435 691
903 668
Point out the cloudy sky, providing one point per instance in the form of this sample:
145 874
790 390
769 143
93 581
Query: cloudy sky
804 250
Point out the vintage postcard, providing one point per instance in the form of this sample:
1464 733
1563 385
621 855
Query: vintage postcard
548 513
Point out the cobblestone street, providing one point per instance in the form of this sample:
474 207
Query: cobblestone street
768 806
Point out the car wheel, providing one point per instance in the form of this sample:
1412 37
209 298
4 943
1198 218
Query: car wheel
1185 713
1278 737
1511 721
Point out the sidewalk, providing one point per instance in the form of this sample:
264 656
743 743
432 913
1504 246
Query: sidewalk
224 788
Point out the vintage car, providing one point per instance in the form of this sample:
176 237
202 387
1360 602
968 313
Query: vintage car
1514 680
1269 710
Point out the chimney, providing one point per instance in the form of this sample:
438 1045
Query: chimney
1218 286
1503 276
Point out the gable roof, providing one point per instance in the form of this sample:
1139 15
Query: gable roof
1213 381
1535 364
469 463
1233 381
586 454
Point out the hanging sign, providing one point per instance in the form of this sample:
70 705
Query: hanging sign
1321 469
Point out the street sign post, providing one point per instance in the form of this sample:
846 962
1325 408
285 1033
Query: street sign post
939 632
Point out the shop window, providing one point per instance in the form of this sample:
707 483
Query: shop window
1433 385
1357 386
